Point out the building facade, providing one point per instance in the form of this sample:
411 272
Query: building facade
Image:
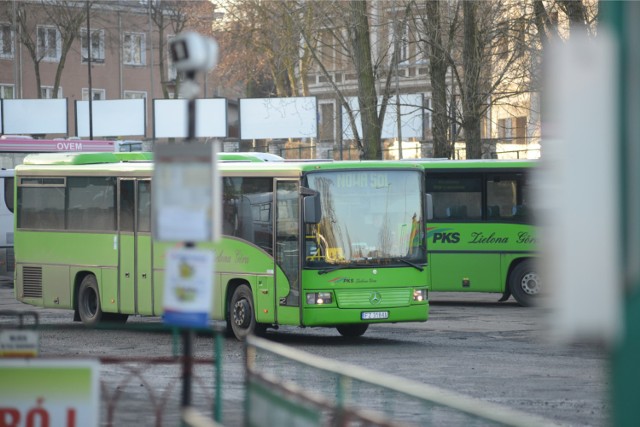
125 57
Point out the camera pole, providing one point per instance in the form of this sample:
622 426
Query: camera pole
190 53
187 333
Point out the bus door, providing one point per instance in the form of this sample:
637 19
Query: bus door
135 270
287 242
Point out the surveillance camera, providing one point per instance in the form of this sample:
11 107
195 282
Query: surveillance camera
191 52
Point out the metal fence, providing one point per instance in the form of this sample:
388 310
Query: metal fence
492 149
290 387
136 389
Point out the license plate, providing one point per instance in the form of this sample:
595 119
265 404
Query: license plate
374 315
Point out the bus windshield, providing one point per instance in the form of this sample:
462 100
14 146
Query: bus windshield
368 218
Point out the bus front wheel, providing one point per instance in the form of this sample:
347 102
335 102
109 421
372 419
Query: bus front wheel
242 318
352 330
525 283
89 307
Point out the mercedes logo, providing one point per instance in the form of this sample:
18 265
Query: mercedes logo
375 298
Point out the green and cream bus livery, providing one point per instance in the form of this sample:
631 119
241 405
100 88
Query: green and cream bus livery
330 244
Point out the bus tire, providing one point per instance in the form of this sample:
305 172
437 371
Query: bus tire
525 283
89 307
242 313
353 330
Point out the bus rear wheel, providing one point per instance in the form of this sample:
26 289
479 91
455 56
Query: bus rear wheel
525 283
241 316
89 308
352 330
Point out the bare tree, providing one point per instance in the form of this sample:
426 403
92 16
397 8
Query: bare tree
261 42
367 95
495 67
438 39
344 41
51 42
472 100
169 18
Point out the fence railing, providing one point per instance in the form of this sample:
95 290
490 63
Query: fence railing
492 149
285 383
141 389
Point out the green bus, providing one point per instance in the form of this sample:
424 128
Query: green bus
480 235
328 244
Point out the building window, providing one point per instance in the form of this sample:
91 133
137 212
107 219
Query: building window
49 43
327 44
428 114
96 94
46 92
135 94
6 41
134 48
172 73
97 46
7 91
520 130
327 122
513 129
403 43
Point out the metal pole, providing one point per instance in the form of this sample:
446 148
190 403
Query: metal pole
621 18
16 78
187 334
89 71
187 367
217 411
396 43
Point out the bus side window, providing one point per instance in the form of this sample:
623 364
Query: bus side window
493 212
144 206
457 212
519 212
455 196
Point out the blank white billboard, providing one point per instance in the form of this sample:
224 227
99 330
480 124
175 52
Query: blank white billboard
34 116
269 118
170 118
411 117
112 117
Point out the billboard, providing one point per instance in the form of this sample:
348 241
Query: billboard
273 118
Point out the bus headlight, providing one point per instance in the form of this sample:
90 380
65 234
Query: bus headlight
319 298
419 294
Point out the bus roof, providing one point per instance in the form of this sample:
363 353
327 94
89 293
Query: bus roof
140 162
249 156
430 164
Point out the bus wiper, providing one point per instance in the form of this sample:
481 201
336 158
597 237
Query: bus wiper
334 268
416 266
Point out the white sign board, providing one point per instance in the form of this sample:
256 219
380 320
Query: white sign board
579 209
411 117
272 118
184 177
34 116
115 117
188 287
55 393
170 118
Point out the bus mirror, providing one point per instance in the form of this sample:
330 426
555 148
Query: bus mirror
311 206
429 204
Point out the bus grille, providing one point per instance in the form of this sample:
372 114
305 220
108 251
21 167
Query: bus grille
32 282
362 298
